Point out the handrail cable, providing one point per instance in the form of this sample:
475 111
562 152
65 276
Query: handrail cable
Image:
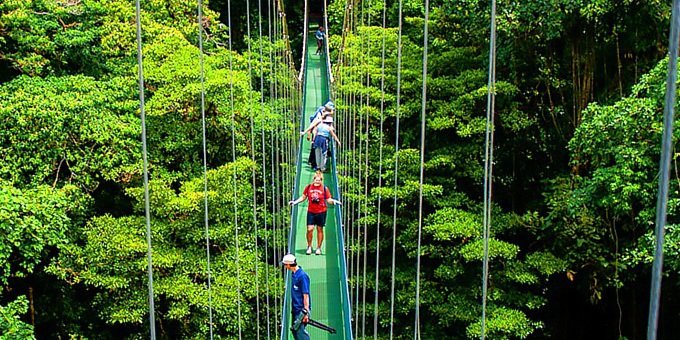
287 141
488 162
416 334
233 159
205 164
326 47
342 107
147 214
304 45
338 210
396 169
664 165
380 159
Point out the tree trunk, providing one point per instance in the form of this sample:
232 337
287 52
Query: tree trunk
30 298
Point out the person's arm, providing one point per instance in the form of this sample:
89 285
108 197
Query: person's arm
335 137
304 287
333 201
305 301
316 122
302 198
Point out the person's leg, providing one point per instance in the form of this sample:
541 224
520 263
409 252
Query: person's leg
300 333
322 165
310 231
312 158
319 237
310 235
321 222
320 158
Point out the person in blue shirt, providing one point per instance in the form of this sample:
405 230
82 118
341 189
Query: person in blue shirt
320 35
315 119
301 302
324 131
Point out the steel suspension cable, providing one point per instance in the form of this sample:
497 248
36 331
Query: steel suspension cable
304 44
233 159
276 142
366 25
254 182
277 299
488 162
350 184
205 164
359 166
664 165
380 159
147 214
396 170
355 187
416 330
264 168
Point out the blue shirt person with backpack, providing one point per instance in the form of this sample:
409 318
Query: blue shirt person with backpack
300 301
314 120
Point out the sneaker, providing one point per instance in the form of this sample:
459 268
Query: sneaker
318 251
309 250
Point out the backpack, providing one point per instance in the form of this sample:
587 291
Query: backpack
316 114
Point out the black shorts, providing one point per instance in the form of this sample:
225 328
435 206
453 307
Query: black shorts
318 220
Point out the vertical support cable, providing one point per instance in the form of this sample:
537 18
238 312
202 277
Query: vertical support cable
205 165
264 169
488 162
665 162
277 299
233 159
380 160
254 183
416 330
366 140
140 71
396 171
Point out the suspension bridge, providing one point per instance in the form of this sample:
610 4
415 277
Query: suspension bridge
335 301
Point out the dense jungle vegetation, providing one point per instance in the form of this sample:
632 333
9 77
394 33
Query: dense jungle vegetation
579 102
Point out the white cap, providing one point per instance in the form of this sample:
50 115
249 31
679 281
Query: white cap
289 259
329 105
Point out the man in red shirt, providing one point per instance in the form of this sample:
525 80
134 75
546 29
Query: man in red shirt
318 195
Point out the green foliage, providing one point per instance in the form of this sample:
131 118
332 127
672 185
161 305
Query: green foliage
33 223
11 327
600 216
504 323
70 129
113 258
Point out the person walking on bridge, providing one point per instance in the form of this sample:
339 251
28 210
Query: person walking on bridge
320 36
324 131
300 300
318 195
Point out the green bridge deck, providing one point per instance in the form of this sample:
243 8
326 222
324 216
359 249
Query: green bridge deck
327 271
